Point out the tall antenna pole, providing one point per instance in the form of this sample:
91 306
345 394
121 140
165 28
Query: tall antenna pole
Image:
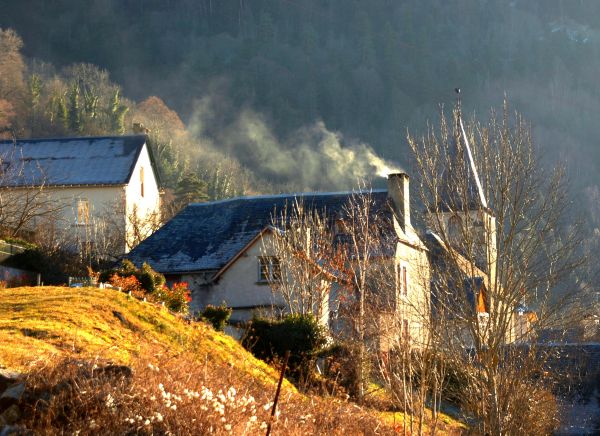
461 129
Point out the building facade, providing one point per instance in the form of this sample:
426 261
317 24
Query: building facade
97 191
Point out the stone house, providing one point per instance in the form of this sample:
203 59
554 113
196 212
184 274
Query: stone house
100 187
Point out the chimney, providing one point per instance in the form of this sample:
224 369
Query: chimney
398 192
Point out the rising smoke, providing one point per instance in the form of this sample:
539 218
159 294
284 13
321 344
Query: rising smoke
313 158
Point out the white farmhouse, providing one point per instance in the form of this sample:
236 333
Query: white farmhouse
100 187
221 250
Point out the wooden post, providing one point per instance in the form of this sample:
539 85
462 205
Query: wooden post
283 367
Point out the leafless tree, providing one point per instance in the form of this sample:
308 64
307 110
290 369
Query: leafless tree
501 237
303 259
24 203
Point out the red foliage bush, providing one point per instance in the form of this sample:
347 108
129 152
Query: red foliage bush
128 284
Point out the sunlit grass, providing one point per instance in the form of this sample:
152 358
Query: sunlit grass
43 324
42 327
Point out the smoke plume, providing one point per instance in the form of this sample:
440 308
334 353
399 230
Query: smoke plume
313 158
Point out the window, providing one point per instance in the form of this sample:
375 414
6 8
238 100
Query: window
454 228
406 329
402 280
142 181
83 212
269 269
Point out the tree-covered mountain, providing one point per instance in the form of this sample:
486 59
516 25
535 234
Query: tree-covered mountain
368 70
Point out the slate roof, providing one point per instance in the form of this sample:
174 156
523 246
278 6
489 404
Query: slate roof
107 160
441 285
205 236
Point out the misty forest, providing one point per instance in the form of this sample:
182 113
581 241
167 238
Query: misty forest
288 96
245 98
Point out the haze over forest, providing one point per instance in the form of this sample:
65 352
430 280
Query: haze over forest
305 94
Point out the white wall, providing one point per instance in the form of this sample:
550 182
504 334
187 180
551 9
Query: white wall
103 205
108 205
147 207
239 285
415 306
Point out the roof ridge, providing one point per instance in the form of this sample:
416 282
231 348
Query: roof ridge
284 195
70 138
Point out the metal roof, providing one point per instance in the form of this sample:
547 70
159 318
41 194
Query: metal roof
107 160
205 236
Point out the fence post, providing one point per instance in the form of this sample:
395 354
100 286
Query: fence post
283 367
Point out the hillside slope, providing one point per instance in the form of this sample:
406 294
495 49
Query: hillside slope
40 324
179 377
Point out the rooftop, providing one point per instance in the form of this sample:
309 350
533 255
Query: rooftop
205 236
106 160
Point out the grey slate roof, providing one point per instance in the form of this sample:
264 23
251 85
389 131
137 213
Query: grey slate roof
105 160
441 284
205 236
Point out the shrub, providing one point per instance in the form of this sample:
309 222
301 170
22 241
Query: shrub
150 280
302 335
176 298
176 394
342 368
128 284
217 316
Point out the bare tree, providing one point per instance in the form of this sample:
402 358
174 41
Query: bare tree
500 238
304 259
24 203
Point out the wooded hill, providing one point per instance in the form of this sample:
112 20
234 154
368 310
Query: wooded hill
368 70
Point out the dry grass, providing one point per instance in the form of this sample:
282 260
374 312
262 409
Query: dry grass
174 395
46 324
187 378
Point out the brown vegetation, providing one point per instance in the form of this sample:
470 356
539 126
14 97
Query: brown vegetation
180 378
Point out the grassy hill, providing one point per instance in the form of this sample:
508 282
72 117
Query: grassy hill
186 378
60 322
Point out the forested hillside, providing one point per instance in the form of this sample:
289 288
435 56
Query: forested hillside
307 80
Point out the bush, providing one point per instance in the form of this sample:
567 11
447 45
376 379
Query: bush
128 284
146 283
302 335
150 280
176 298
55 267
175 394
217 316
342 368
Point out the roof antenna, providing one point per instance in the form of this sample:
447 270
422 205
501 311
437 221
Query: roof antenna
457 90
461 130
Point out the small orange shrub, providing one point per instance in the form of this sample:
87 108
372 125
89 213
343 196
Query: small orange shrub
128 284
176 298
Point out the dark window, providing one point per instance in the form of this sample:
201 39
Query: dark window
402 280
269 269
455 228
142 181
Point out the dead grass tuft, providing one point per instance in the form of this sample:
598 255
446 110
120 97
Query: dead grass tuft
180 395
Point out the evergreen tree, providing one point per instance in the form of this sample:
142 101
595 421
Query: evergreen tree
74 110
61 112
35 92
191 189
117 113
90 103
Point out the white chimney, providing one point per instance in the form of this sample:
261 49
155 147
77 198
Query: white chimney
398 192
